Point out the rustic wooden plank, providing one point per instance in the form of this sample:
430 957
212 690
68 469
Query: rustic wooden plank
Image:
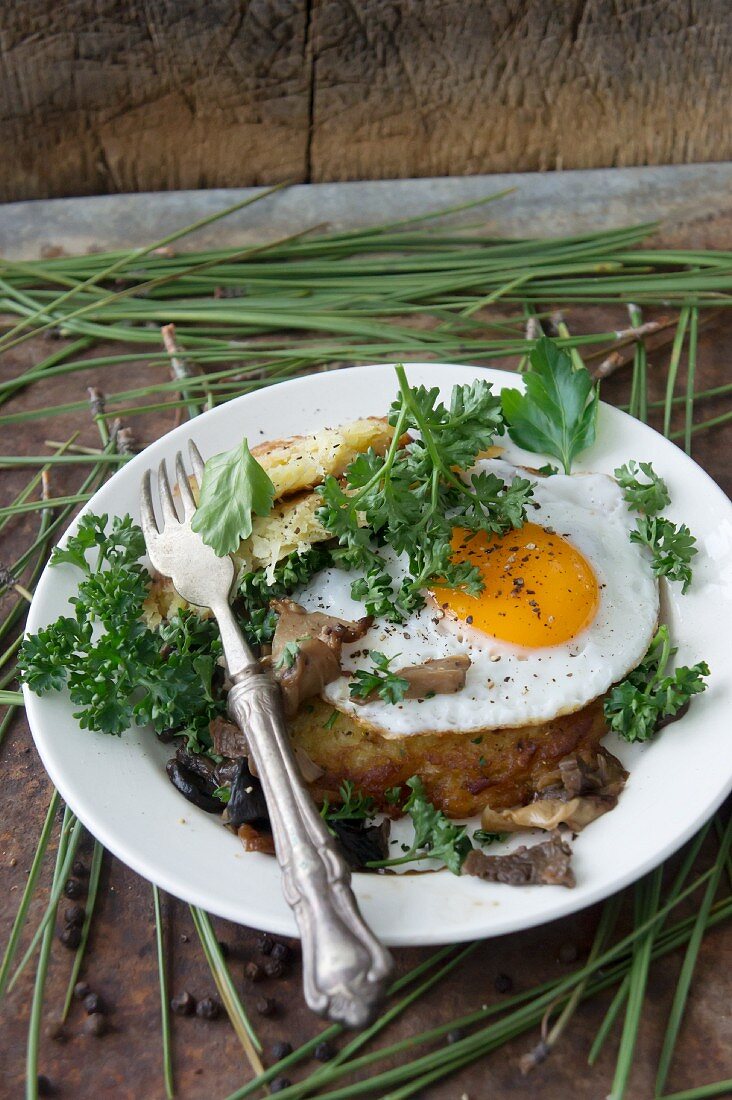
464 86
151 94
156 94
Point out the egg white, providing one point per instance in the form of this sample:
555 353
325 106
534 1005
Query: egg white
509 685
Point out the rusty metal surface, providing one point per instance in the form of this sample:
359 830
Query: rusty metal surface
127 1063
694 201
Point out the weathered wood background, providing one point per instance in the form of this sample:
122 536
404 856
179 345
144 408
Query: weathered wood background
101 95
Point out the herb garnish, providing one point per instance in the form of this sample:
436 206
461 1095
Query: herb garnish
672 547
412 497
649 496
234 487
636 707
288 656
435 836
126 674
388 686
355 806
256 591
557 414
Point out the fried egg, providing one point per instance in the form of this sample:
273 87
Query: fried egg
569 606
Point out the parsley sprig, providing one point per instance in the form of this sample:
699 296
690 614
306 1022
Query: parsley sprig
412 497
233 489
672 547
256 591
354 806
647 698
435 836
647 494
386 684
119 672
558 412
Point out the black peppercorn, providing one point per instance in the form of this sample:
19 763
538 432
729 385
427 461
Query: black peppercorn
79 869
93 1003
208 1008
224 948
282 952
274 968
455 1035
70 937
323 1051
45 1086
281 1049
253 971
266 1006
183 1004
503 983
279 1084
73 888
74 914
81 989
265 943
95 1025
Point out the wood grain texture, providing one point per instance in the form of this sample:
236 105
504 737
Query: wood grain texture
151 94
465 86
100 96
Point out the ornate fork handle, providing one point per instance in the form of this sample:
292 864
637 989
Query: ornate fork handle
344 965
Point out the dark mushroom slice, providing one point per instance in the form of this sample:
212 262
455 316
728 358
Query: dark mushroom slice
361 843
246 805
314 641
192 787
543 864
228 739
202 766
436 676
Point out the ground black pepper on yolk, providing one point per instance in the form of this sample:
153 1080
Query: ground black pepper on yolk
539 589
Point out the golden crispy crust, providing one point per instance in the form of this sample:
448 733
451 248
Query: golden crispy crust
462 773
297 464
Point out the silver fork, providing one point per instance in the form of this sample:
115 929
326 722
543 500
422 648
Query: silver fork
345 967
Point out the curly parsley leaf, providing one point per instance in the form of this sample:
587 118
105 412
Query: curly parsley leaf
413 497
647 699
557 414
435 836
234 487
379 681
648 496
672 547
355 806
256 590
119 672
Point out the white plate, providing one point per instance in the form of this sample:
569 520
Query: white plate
119 789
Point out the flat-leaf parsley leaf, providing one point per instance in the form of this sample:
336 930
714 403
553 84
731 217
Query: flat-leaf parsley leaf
557 413
234 487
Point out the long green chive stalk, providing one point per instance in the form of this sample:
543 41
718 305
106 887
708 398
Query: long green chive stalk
687 969
647 895
234 1008
70 837
28 891
164 1006
65 847
95 869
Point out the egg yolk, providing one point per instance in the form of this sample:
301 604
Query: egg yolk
539 590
